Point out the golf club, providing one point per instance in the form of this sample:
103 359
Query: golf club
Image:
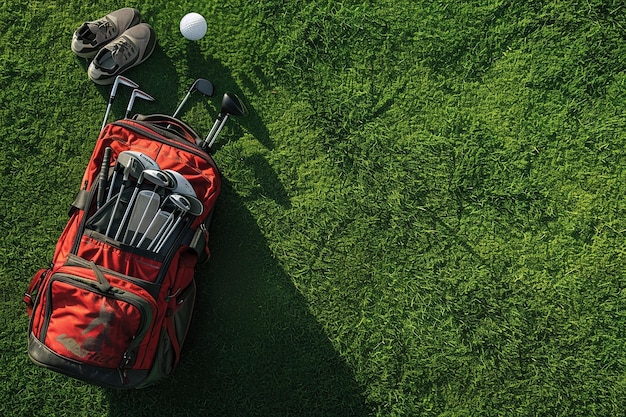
120 79
159 181
136 93
179 202
134 164
180 184
158 219
202 85
155 177
128 157
158 222
147 202
231 106
187 205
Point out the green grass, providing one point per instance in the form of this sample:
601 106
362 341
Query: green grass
423 214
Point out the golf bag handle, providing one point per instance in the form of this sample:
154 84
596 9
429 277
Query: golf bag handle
171 125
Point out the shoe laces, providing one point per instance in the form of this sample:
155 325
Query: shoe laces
106 27
124 48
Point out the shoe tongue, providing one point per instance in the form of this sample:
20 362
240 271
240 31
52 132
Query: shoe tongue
113 57
121 49
87 32
99 31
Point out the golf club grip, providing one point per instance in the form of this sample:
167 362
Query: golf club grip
103 176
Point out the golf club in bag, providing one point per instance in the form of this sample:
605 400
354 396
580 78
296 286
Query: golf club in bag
114 307
231 106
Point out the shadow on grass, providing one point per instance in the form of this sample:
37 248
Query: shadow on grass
253 349
200 65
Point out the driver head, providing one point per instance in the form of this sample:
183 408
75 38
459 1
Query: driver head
231 104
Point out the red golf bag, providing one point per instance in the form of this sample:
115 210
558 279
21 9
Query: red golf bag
115 305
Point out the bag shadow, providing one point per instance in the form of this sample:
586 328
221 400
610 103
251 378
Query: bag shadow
253 348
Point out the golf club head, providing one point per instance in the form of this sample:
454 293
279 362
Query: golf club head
196 206
142 94
120 79
134 163
187 204
231 104
204 86
180 202
181 185
158 178
137 93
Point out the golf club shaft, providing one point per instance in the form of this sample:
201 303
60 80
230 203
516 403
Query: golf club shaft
118 80
161 231
217 132
117 202
130 106
127 212
182 103
106 114
113 178
149 227
143 217
167 235
146 200
214 128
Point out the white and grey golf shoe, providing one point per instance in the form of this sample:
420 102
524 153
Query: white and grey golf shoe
90 37
132 48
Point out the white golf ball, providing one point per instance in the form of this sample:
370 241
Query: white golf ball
193 26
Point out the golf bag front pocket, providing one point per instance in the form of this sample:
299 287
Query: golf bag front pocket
87 323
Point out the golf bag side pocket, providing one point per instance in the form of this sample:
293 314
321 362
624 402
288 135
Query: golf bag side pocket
173 334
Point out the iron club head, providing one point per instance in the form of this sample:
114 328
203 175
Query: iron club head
120 79
136 93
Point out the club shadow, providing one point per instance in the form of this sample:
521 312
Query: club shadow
254 348
200 64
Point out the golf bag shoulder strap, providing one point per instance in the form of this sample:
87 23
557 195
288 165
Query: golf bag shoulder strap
170 125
